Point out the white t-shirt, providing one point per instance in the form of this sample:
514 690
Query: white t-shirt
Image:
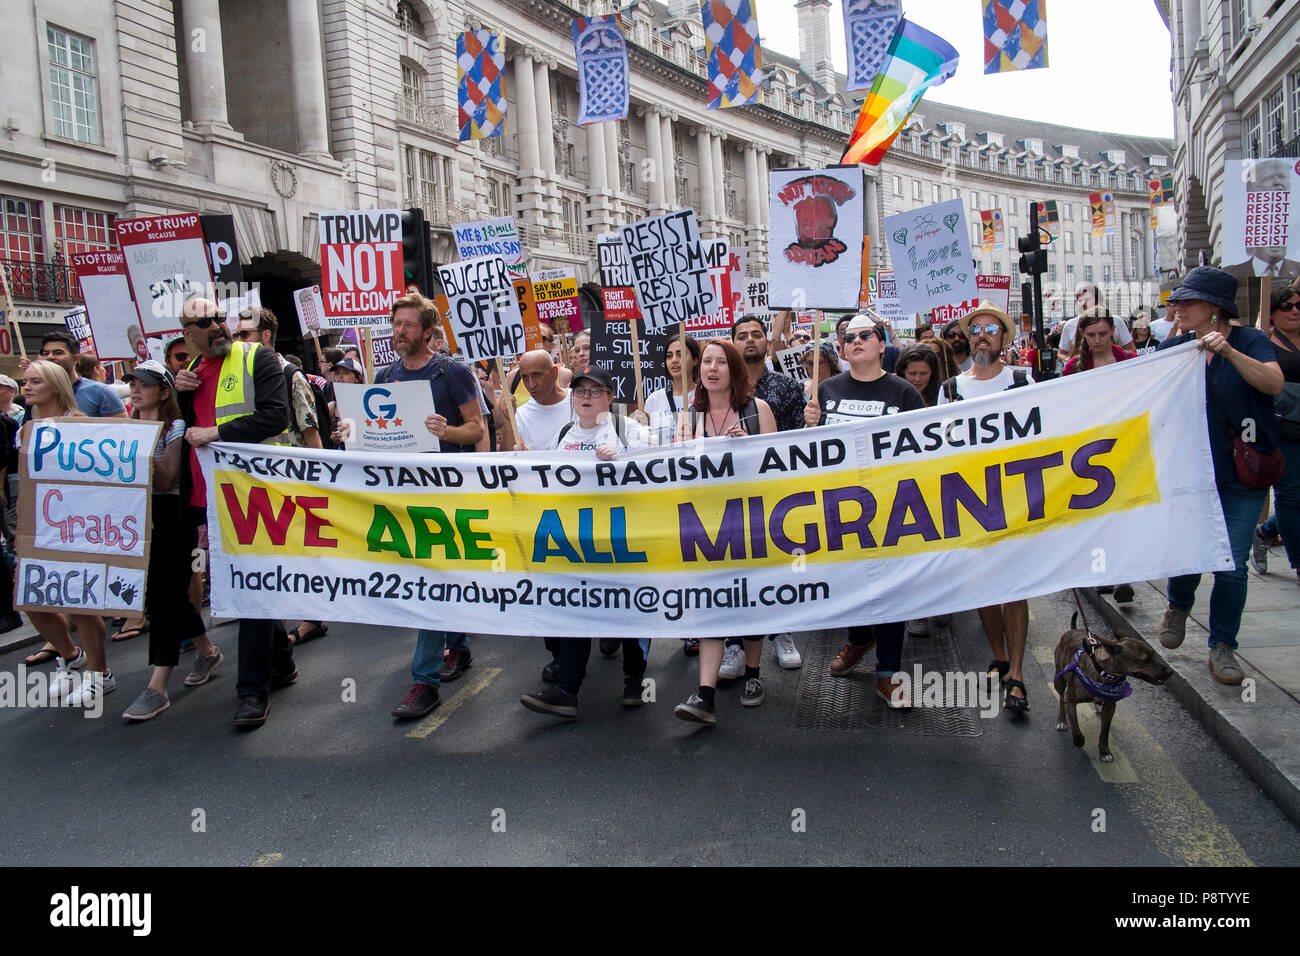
970 387
578 438
539 424
1122 335
663 422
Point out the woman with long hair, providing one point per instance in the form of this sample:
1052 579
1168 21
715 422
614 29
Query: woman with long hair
1095 344
666 407
919 364
1284 313
171 544
948 367
725 406
81 675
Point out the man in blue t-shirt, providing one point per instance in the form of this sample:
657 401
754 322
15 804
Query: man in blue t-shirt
93 398
458 424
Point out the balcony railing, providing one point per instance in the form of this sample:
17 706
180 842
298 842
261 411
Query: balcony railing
53 282
420 113
443 213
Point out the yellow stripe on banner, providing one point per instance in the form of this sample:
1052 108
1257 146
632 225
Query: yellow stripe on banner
963 500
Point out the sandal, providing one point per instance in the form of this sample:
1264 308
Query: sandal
134 630
1002 667
1017 705
43 656
296 636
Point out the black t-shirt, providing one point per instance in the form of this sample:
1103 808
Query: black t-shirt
845 399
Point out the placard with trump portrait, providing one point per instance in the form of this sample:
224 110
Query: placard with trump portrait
1261 234
815 242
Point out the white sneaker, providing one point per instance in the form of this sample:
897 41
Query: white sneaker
733 662
94 685
787 655
63 681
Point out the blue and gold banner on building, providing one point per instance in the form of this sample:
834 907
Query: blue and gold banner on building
868 29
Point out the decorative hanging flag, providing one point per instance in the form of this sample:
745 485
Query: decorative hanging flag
1049 218
986 230
1098 214
481 84
1015 35
603 85
917 60
1108 212
999 231
735 58
1162 194
868 27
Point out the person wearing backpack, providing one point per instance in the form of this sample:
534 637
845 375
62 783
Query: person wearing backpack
1006 625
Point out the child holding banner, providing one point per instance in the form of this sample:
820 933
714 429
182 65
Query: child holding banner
82 674
607 435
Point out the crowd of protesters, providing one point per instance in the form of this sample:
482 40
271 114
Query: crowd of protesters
556 397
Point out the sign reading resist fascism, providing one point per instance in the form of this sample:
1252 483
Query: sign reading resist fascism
482 308
166 261
361 266
698 538
84 515
611 335
669 271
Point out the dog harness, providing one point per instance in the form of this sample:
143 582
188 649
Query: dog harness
1110 688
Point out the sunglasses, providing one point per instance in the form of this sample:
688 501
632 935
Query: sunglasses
589 392
181 356
1287 306
205 322
993 328
954 335
866 335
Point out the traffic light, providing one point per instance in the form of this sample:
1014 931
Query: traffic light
417 263
1033 257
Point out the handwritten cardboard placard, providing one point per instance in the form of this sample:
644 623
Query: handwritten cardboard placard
492 237
930 249
482 309
166 261
669 271
84 515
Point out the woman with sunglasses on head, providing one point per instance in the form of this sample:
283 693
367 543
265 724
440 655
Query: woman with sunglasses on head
81 675
1242 376
725 406
1284 316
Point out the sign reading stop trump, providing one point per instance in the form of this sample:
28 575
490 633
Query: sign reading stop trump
361 266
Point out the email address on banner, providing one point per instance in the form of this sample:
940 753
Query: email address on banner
672 602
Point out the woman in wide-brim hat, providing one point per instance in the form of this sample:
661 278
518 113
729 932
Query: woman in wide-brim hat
1242 376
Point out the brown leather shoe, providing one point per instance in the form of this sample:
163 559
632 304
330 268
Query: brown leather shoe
846 659
892 693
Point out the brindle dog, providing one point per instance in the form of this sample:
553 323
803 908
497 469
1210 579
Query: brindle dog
1118 657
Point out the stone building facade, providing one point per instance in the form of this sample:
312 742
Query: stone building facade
272 110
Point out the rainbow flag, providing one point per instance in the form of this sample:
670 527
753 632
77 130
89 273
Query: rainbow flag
916 60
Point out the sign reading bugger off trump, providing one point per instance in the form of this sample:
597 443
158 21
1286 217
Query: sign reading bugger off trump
482 308
84 515
361 266
1003 497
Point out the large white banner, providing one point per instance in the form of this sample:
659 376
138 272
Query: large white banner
1005 497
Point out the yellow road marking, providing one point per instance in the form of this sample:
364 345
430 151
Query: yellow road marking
268 859
435 720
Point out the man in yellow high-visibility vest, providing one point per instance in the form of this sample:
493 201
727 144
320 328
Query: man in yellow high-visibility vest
235 392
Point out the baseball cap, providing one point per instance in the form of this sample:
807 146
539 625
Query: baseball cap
152 373
8 382
594 373
351 364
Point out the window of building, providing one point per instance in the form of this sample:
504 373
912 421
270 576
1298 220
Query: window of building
916 189
412 84
500 198
1107 247
73 88
1069 211
428 176
1013 206
1293 101
1087 273
977 235
20 229
1051 273
1087 243
997 268
1252 143
1274 111
1134 255
898 185
1069 277
935 195
408 21
1069 241
1239 9
1013 237
1105 274
83 230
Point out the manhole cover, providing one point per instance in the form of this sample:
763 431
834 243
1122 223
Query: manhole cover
851 703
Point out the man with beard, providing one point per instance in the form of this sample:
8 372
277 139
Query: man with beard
957 341
989 329
458 424
786 398
234 392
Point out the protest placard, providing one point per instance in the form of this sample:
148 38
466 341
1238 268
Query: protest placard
107 294
382 353
79 328
492 237
930 250
555 291
716 324
887 304
612 347
790 361
995 289
527 311
669 272
694 538
223 253
310 308
815 248
235 305
1259 202
166 262
361 266
84 515
756 299
482 309
387 418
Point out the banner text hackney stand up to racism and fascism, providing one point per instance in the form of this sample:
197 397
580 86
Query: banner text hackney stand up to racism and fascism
1004 497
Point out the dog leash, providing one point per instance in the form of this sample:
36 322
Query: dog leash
1083 617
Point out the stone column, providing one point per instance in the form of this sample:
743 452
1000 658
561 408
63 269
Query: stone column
525 105
205 71
755 234
719 177
766 188
654 151
307 80
671 199
596 172
611 156
545 125
707 211
873 219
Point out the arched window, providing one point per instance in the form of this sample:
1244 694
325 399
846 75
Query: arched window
408 21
